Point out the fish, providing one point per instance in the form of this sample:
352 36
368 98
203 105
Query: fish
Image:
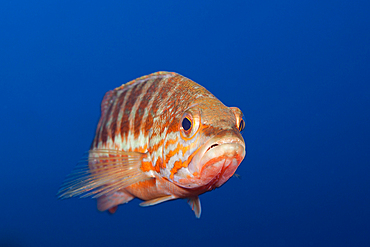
160 137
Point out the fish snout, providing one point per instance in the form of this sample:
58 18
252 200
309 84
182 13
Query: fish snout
219 158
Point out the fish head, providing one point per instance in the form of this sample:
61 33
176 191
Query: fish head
209 146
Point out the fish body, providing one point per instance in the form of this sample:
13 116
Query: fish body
160 137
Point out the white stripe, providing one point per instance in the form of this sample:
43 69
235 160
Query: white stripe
131 135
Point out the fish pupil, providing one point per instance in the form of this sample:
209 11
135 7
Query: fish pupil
186 123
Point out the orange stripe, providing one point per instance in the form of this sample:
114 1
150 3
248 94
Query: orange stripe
135 97
179 147
125 122
147 166
178 164
120 105
158 165
135 122
144 103
103 136
152 107
171 141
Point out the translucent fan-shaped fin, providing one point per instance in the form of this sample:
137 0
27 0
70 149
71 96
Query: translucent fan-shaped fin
104 172
110 202
194 203
157 200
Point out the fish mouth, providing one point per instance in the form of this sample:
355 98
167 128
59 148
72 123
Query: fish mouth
218 159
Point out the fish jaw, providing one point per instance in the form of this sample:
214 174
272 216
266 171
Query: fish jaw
220 163
215 162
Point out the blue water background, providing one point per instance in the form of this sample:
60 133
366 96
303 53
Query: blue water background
299 70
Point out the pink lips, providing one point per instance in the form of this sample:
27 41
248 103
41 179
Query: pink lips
217 161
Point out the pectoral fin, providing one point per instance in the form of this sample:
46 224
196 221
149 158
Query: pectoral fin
103 173
194 203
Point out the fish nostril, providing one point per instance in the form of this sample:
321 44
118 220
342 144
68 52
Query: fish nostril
212 146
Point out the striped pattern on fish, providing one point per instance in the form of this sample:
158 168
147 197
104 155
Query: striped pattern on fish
160 137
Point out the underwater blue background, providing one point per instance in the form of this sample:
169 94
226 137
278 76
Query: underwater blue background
299 70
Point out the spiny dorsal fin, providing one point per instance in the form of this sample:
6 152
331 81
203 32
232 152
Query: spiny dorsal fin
104 172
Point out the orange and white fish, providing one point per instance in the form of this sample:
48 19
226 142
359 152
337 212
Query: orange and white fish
160 137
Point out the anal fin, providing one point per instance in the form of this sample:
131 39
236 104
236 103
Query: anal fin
157 200
194 203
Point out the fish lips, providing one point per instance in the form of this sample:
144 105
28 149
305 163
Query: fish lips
218 159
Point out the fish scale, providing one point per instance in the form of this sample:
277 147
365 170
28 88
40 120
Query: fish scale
143 149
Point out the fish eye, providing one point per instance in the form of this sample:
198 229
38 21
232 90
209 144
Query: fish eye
189 124
241 125
186 123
